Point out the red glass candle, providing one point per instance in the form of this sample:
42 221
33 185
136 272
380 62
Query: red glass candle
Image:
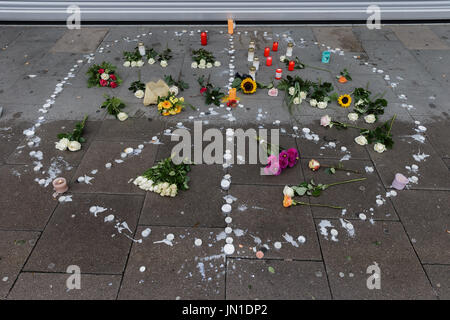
275 46
269 61
278 74
204 38
291 65
266 52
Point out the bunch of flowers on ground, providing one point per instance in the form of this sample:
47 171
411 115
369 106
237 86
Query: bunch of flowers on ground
203 59
367 105
138 88
246 84
114 106
164 57
278 158
296 90
211 94
178 84
151 55
321 94
132 58
72 140
165 178
170 104
103 75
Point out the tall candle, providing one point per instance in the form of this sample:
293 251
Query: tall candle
256 63
289 49
252 72
252 45
141 48
251 54
230 26
204 38
291 66
275 46
278 74
266 51
232 94
269 61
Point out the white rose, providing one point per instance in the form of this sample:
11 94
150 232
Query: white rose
287 191
133 64
151 61
74 146
353 116
302 95
138 180
360 101
209 65
282 58
379 147
291 91
139 94
104 76
203 61
297 100
62 144
370 118
322 104
202 66
313 102
163 63
122 116
157 188
174 90
361 140
217 63
140 63
194 65
127 64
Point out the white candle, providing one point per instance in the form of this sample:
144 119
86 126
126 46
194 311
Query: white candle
141 48
226 208
252 45
251 54
225 184
252 72
289 49
256 63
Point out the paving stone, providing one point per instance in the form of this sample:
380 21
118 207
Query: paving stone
432 172
52 286
21 212
48 134
364 33
131 129
437 133
178 271
357 197
338 37
439 277
419 37
253 214
84 40
384 243
11 133
425 217
197 207
252 280
437 64
15 246
447 162
90 242
116 178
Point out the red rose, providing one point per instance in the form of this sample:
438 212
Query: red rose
103 83
101 71
202 90
113 84
112 77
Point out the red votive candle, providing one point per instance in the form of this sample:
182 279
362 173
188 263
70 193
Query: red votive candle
278 74
204 38
269 61
291 65
275 46
266 51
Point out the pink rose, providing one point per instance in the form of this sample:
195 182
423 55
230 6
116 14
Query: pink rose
325 120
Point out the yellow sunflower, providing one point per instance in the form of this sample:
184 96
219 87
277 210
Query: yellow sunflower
345 100
166 104
248 86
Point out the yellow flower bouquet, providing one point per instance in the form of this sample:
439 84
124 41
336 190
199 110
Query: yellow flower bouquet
170 105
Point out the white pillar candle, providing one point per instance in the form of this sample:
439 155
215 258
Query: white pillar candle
256 63
252 45
141 48
289 49
251 54
225 184
252 72
226 208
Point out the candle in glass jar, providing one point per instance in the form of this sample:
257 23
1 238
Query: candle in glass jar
269 61
256 63
278 74
266 51
141 48
60 185
232 94
252 72
275 46
252 45
204 38
251 54
230 26
291 65
289 49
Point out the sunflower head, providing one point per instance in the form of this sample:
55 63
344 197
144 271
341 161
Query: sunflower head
248 86
345 100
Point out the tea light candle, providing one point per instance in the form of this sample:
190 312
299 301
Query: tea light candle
400 181
141 48
278 74
226 208
251 54
225 184
204 38
60 185
269 61
266 51
252 45
252 72
291 65
275 46
289 49
256 63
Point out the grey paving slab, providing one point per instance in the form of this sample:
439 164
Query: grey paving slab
291 280
419 38
437 64
358 197
197 207
427 101
15 247
116 178
447 162
131 129
384 243
437 133
90 242
48 134
178 271
425 217
11 133
364 33
84 40
19 211
8 35
253 214
41 34
52 286
338 37
439 276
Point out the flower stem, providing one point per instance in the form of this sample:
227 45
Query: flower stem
338 168
345 125
392 122
342 182
316 205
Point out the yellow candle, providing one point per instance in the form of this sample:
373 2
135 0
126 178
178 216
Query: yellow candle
230 26
232 94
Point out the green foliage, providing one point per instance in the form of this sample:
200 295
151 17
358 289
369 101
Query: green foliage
212 95
322 91
298 84
166 171
346 74
132 55
298 64
113 105
137 85
172 82
364 104
151 53
200 54
381 134
165 55
77 133
94 75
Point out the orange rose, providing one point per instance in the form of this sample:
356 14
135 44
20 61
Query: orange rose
287 201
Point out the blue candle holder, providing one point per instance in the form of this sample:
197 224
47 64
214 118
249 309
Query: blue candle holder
326 56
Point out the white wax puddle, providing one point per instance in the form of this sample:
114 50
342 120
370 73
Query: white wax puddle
145 233
109 218
420 156
65 198
348 227
369 169
290 239
324 224
96 210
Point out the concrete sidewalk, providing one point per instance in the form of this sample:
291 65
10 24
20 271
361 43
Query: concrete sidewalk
407 235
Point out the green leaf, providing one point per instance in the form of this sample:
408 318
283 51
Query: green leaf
271 270
300 190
